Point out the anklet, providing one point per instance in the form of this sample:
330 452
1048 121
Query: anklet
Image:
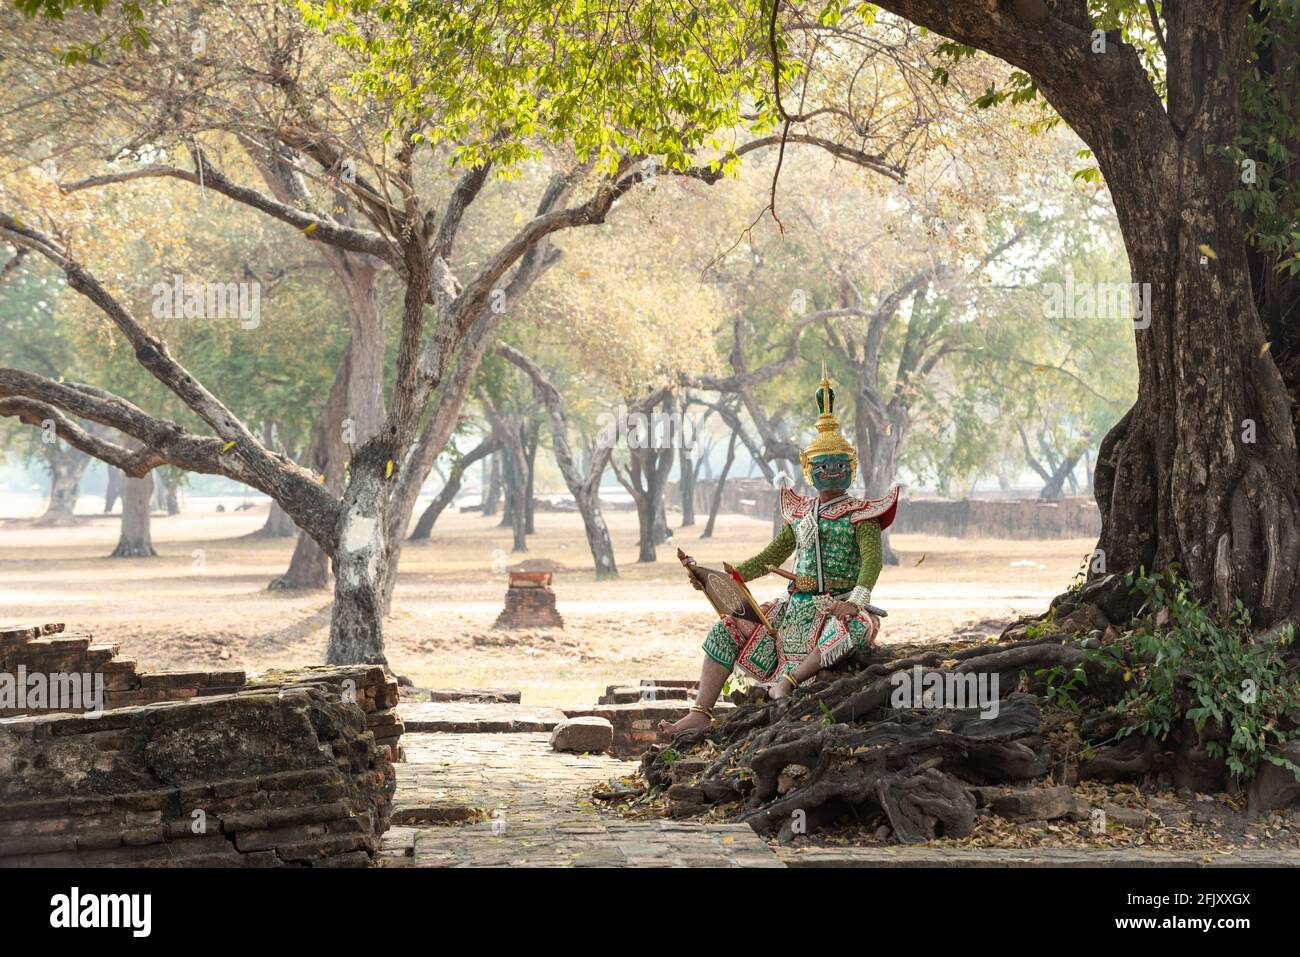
696 709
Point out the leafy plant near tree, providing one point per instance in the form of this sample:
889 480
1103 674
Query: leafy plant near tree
1214 671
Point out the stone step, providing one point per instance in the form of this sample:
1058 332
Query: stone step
30 632
627 695
474 695
61 643
460 717
635 723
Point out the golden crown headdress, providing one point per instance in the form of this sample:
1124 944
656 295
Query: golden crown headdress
828 440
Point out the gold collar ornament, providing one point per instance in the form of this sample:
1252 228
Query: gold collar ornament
828 440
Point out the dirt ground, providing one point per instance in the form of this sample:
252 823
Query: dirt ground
203 602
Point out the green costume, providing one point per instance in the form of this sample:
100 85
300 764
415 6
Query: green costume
837 552
845 534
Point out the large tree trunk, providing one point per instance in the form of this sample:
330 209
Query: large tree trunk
1277 292
598 540
1202 470
67 466
134 541
433 438
663 532
354 410
309 567
361 564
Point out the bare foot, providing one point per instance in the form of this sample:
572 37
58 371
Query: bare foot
692 721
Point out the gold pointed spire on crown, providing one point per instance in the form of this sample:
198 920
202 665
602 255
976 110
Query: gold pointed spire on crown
828 440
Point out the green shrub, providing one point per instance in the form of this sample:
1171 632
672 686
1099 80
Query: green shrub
1194 665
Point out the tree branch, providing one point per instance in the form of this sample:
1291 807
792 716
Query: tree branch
288 484
315 228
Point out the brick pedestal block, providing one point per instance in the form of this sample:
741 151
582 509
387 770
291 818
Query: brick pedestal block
529 606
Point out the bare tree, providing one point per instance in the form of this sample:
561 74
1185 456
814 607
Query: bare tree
584 486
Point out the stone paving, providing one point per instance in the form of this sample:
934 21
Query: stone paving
528 810
481 787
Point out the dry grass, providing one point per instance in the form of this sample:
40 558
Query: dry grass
169 612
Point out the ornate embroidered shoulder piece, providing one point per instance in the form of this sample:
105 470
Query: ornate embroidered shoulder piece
794 506
882 509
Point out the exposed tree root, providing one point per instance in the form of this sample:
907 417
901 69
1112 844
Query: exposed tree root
856 744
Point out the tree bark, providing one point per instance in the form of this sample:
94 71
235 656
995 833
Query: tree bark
646 477
361 564
1202 470
510 430
663 532
135 541
354 409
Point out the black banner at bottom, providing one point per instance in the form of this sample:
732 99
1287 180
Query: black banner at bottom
333 908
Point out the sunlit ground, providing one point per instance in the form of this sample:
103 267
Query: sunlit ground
203 602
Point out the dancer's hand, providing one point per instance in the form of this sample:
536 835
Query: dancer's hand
844 611
695 582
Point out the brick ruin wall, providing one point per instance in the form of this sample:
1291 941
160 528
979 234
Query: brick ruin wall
47 649
196 768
